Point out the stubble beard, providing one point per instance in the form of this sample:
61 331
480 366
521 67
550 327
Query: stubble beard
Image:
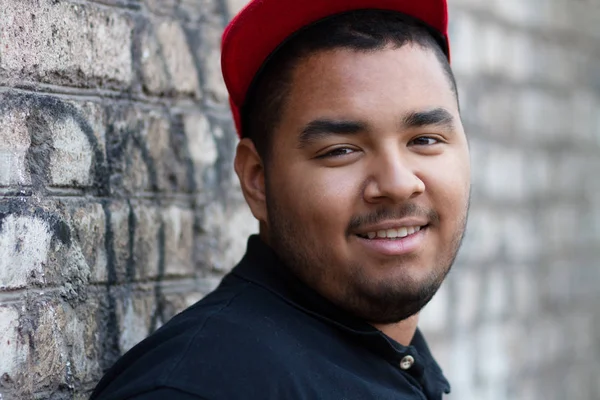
382 302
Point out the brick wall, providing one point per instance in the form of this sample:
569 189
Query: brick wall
119 205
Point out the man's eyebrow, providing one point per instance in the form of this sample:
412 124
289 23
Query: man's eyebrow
323 128
437 116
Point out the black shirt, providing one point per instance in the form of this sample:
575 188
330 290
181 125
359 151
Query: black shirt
263 334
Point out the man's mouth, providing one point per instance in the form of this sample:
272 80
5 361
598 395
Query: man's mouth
398 233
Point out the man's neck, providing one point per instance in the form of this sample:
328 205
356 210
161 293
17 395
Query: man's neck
403 331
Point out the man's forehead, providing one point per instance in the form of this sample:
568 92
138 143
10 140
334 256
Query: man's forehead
335 82
408 65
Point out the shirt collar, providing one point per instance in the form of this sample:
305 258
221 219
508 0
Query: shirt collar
261 266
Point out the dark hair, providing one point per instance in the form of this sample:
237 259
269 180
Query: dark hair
361 30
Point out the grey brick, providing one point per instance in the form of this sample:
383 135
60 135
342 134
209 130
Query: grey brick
468 297
188 10
45 368
24 242
119 248
208 50
235 5
89 230
14 143
168 150
14 351
63 43
134 318
51 347
179 240
131 169
436 316
147 246
48 142
167 64
147 151
223 226
202 145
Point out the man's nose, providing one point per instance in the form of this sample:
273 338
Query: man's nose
393 179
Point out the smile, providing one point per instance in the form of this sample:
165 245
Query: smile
398 233
394 242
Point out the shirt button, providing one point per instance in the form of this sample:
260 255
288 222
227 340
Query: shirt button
407 362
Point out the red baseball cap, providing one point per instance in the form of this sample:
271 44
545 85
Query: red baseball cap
262 25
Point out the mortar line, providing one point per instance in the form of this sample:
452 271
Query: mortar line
150 196
177 285
92 94
124 9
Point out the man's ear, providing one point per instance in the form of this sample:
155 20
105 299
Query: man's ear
251 173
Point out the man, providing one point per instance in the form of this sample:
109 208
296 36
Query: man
354 160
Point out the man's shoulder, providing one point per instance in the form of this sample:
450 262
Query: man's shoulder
235 327
236 334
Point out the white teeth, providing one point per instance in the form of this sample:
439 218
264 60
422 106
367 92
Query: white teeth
394 233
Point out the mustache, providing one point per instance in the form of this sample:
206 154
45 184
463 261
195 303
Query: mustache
386 213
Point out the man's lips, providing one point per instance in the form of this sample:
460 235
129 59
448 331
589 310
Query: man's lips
393 233
392 229
394 241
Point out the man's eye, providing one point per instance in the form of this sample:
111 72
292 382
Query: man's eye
340 151
425 141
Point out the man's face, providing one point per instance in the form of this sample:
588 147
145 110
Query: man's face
367 187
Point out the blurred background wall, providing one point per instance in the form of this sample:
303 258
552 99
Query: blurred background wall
119 206
519 317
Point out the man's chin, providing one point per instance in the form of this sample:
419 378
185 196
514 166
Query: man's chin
386 305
